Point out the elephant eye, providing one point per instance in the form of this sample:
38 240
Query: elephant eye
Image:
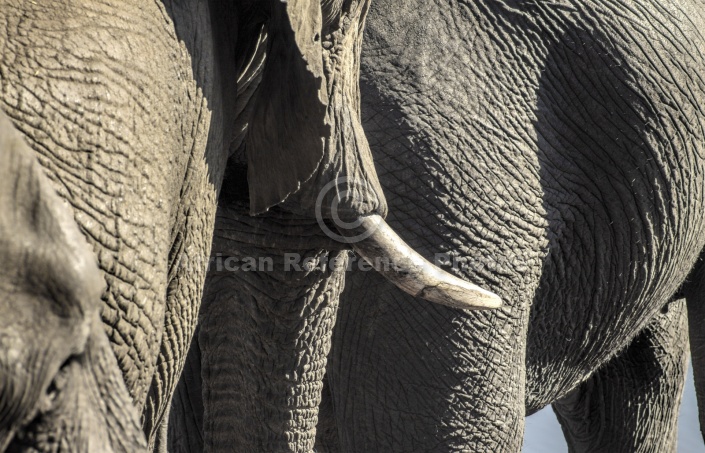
58 384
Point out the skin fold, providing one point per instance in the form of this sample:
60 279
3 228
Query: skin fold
135 112
63 388
553 153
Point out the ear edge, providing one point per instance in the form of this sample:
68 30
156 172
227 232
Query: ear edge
285 143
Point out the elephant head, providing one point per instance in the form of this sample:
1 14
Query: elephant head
60 386
253 377
319 159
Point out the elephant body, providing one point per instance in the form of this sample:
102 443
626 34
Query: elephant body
553 152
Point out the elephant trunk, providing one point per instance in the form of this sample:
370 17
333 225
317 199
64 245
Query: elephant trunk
254 373
373 239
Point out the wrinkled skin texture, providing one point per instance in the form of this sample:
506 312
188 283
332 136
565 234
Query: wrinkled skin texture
556 152
253 377
135 110
52 386
126 147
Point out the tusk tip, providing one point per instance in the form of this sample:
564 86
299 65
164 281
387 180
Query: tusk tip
411 272
466 297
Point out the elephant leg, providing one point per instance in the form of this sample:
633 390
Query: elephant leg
264 333
631 404
408 376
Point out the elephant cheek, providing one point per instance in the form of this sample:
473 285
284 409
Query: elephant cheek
31 351
86 408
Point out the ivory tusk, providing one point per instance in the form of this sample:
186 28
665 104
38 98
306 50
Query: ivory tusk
374 240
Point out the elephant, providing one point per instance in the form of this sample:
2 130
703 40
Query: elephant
136 136
554 153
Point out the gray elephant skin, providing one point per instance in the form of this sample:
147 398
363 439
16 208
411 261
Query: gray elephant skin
554 153
549 151
119 123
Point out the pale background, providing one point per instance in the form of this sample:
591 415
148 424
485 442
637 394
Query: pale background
543 433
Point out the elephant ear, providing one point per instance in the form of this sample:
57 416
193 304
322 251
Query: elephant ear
286 136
